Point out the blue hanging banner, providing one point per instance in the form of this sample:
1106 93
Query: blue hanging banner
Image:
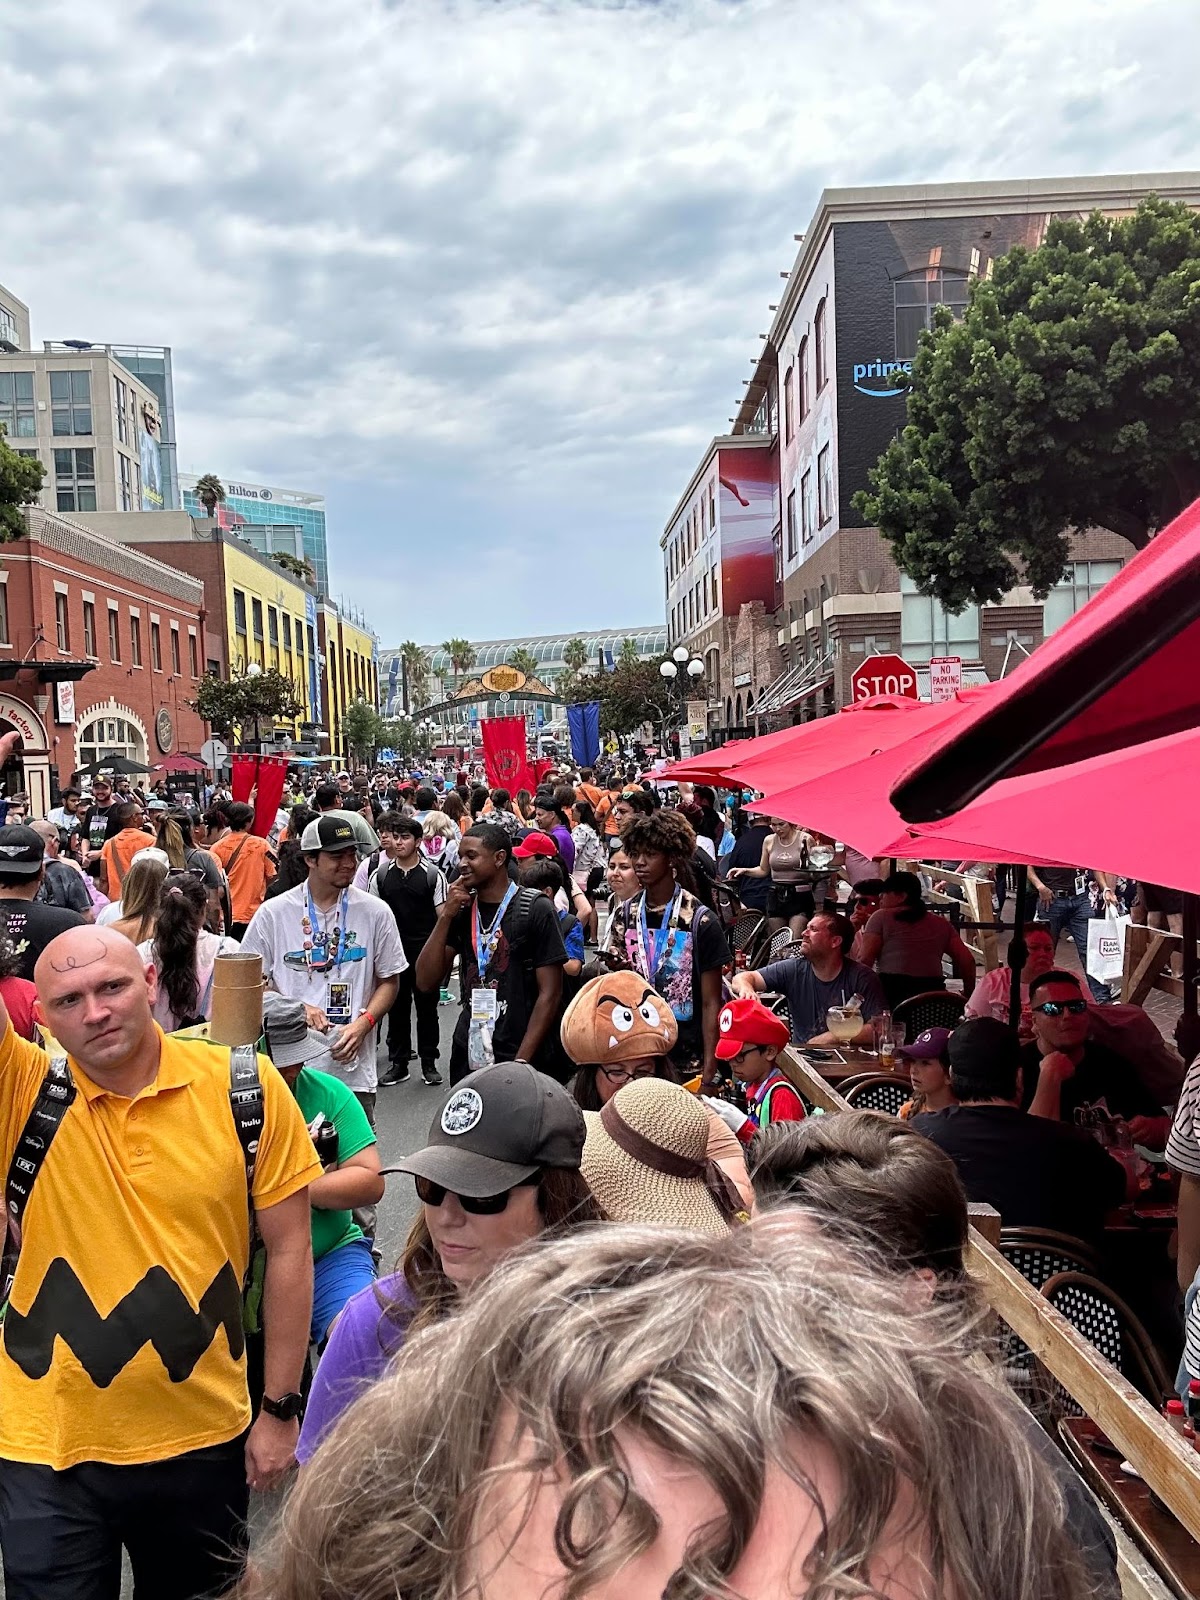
584 723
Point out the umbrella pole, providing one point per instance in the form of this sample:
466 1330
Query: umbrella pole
1187 1029
1017 951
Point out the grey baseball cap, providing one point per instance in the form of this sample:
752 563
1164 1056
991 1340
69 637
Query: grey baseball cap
495 1128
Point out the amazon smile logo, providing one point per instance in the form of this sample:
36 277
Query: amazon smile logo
875 378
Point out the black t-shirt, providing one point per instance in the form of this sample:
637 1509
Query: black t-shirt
1063 880
512 969
94 825
710 953
1102 1079
1037 1173
34 926
747 852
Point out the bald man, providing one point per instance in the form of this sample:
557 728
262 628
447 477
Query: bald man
124 1412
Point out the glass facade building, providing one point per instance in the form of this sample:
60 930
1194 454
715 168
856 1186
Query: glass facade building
268 519
152 364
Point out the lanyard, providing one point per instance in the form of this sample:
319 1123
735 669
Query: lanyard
313 942
485 942
662 935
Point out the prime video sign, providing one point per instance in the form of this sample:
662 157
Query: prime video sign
881 373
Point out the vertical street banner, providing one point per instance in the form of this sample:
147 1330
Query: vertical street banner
272 774
504 754
584 723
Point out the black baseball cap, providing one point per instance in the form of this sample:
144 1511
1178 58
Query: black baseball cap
982 1046
22 852
496 1127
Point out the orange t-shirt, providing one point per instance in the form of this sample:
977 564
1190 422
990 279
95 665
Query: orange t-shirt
604 815
118 853
249 866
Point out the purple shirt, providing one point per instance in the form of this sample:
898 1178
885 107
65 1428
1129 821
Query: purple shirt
363 1341
565 843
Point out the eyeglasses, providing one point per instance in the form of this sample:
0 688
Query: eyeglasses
620 1075
477 1205
746 1050
1055 1008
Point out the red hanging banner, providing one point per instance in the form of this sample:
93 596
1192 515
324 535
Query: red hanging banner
245 769
504 756
272 774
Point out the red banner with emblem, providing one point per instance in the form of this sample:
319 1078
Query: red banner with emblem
259 781
504 756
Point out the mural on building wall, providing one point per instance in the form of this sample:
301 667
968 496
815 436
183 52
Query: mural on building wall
889 278
748 511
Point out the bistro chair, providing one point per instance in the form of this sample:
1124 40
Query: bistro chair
727 906
749 927
782 947
878 1092
1112 1328
1038 1254
938 1008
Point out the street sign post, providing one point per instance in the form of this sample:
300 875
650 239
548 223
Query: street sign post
214 753
945 677
883 675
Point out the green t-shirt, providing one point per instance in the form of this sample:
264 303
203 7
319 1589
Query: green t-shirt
316 1093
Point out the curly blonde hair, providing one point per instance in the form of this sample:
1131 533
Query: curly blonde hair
729 1353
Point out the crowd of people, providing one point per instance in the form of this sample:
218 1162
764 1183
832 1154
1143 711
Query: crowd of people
657 1327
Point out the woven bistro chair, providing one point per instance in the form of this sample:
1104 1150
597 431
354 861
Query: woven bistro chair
939 1008
1112 1328
1038 1254
878 1092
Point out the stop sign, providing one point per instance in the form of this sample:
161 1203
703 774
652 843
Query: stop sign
883 675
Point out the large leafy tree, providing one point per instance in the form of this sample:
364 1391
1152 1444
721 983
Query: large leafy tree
20 484
363 730
244 706
632 693
1067 397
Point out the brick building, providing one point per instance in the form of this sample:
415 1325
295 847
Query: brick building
821 407
100 651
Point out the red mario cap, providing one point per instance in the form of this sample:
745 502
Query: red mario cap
748 1022
535 844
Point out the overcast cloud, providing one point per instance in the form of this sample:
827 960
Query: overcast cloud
489 273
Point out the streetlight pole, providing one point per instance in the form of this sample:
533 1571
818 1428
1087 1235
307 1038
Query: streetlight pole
676 670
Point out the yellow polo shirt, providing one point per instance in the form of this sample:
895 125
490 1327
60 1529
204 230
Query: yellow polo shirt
122 1342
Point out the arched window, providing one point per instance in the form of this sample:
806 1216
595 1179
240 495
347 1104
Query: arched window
110 736
821 352
728 712
802 378
737 710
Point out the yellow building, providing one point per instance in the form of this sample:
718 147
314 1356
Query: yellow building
266 623
350 661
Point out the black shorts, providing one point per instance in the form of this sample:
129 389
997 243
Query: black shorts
789 900
1165 902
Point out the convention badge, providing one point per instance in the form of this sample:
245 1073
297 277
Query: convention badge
337 1008
483 1004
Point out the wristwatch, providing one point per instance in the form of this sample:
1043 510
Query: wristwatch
290 1408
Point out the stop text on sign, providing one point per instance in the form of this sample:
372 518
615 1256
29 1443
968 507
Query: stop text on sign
883 675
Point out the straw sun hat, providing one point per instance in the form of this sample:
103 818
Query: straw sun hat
646 1159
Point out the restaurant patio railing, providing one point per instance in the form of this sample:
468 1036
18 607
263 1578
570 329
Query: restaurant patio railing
1168 1464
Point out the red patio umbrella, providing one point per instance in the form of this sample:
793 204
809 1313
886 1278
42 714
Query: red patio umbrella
1124 669
180 763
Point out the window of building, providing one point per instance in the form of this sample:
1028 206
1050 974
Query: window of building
791 526
272 625
716 593
789 421
16 405
75 479
89 628
62 622
822 357
110 736
114 635
155 647
239 612
256 617
4 639
126 469
71 403
193 656
806 507
824 486
802 377
917 296
176 667
135 641
927 629
1074 589
712 506
121 406
287 631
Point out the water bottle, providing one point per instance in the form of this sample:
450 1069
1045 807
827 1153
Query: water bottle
479 1045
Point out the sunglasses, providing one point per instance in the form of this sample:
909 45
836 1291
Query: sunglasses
1055 1008
619 1074
476 1205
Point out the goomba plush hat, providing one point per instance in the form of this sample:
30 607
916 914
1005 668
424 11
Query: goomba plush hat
617 1017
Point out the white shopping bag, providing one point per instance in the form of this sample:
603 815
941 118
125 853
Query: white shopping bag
1106 947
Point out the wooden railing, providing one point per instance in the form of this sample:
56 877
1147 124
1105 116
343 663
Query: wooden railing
1164 1459
976 902
1149 964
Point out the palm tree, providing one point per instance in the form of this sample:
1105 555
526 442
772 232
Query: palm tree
416 673
575 655
461 653
210 492
524 661
627 656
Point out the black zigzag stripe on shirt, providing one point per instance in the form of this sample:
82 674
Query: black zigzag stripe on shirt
155 1311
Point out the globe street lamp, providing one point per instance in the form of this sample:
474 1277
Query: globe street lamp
669 670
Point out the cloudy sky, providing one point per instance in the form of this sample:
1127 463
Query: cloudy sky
489 273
